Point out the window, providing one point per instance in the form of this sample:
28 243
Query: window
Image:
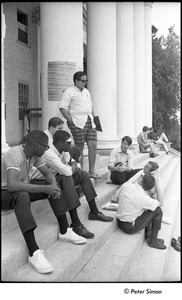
23 98
22 27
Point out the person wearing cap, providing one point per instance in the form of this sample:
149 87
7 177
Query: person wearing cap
69 175
18 191
160 140
137 210
76 107
121 162
145 143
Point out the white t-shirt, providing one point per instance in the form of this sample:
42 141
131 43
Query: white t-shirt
133 201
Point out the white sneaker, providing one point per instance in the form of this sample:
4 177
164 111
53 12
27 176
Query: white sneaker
39 262
71 236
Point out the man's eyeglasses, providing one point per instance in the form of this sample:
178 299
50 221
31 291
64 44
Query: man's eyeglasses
45 147
84 81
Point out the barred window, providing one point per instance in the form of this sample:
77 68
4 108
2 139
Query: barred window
22 27
23 97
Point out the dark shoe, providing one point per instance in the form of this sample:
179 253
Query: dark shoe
175 244
157 245
82 231
159 240
100 217
167 152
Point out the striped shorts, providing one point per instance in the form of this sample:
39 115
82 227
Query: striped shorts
81 136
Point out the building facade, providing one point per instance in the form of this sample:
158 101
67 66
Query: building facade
44 44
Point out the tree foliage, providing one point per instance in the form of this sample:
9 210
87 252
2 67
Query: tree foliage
166 84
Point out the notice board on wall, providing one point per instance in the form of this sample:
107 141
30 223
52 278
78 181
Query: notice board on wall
60 77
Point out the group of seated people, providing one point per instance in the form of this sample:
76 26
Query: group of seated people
149 137
47 166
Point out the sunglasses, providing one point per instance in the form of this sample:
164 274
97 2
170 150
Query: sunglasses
84 81
45 147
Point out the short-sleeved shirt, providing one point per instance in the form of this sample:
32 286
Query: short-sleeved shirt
117 155
15 159
133 201
79 105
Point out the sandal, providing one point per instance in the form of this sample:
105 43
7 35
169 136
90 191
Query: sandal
94 176
175 244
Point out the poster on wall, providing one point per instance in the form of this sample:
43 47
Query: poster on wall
60 77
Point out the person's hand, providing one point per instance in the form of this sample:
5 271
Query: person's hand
120 168
52 190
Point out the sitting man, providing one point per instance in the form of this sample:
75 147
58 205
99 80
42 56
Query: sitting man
54 124
69 175
144 143
161 140
137 210
121 162
18 191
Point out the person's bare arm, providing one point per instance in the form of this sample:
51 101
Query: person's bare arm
15 185
66 114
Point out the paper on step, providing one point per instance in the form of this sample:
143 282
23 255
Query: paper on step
167 220
110 206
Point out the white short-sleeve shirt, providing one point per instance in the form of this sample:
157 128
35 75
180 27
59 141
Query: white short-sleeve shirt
133 201
79 105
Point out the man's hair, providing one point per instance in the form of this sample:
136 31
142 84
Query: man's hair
148 182
61 136
155 130
145 128
55 121
127 139
154 166
78 75
36 136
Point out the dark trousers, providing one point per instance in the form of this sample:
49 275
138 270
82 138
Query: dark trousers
145 220
121 177
67 184
21 203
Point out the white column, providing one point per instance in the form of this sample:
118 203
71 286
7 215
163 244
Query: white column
61 26
139 65
101 67
148 63
4 145
125 69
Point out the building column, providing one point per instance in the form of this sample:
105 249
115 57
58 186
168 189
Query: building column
148 63
139 67
125 69
101 68
4 145
61 27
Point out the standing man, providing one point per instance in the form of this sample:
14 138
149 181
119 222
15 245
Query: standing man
76 107
121 162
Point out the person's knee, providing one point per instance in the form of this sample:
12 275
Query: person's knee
22 199
92 145
159 212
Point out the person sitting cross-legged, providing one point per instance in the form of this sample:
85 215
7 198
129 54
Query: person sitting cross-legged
121 162
137 210
69 175
18 191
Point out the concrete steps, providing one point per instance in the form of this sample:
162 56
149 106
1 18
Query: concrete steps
14 252
126 257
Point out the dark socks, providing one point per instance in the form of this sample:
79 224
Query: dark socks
30 241
74 218
63 223
93 207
